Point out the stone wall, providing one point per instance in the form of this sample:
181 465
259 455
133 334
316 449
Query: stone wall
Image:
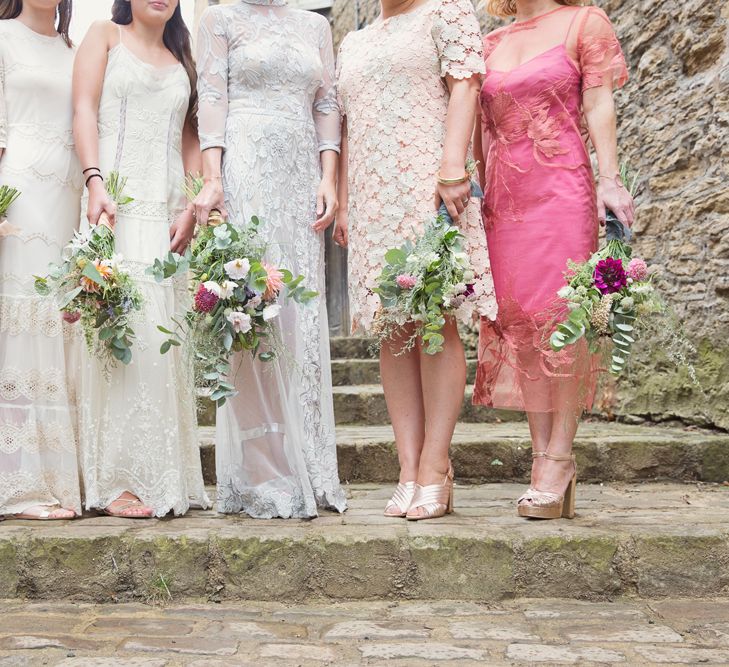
674 128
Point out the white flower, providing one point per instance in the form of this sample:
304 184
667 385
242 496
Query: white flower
468 276
241 322
641 289
459 288
565 292
227 287
573 306
269 312
627 303
212 286
237 269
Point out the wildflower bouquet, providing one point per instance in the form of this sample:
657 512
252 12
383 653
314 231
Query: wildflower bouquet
425 282
609 296
7 196
236 296
93 287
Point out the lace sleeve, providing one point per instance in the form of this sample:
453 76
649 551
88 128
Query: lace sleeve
212 81
601 59
457 36
3 112
327 118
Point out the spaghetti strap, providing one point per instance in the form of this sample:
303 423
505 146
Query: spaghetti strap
118 25
581 12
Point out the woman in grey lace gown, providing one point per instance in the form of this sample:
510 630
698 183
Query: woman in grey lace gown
269 129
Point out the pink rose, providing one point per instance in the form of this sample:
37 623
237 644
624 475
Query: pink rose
637 269
405 281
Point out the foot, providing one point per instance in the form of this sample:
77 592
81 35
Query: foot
433 495
128 506
398 505
554 476
46 513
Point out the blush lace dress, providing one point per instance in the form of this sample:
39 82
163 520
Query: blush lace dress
266 83
539 210
137 423
391 86
38 458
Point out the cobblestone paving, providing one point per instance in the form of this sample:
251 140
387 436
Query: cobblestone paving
522 632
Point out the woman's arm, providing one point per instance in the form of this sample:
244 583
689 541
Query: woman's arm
212 66
599 107
459 130
327 120
183 229
341 224
88 81
479 151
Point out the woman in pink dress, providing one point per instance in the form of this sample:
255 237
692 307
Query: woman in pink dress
409 84
548 86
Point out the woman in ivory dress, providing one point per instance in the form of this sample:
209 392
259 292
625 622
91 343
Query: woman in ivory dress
38 459
134 99
269 130
409 84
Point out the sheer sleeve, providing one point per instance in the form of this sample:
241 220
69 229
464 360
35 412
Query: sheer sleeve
490 42
3 112
457 36
598 51
327 118
212 81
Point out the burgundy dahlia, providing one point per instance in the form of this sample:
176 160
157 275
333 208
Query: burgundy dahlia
205 300
610 275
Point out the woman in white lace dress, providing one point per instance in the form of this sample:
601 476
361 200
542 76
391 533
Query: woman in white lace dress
38 468
269 130
409 84
134 101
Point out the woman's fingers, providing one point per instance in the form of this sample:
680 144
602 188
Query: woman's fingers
601 211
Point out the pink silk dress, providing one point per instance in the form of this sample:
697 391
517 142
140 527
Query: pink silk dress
539 211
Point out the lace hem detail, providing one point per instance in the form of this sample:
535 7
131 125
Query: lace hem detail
33 437
35 385
20 490
266 501
32 315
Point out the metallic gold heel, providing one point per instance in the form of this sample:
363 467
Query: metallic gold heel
397 506
536 504
436 500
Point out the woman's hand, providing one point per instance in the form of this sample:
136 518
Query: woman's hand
326 204
613 195
455 197
341 228
100 203
210 198
182 230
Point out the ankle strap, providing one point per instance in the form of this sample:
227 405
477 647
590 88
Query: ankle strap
552 457
538 455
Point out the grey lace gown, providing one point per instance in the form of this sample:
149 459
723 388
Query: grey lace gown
266 84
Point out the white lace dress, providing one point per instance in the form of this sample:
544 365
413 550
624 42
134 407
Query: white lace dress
38 461
267 97
138 427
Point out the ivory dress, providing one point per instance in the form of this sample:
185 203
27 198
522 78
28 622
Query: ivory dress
392 91
138 427
266 84
38 457
539 210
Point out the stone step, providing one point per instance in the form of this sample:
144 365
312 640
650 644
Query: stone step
367 371
606 452
640 541
364 404
351 347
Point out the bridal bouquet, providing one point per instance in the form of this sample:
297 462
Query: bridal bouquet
93 287
236 297
427 281
609 297
7 196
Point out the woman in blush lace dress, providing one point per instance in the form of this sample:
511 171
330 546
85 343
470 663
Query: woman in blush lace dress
549 82
38 459
134 99
408 83
269 129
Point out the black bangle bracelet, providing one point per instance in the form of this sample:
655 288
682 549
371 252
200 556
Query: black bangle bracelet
94 176
91 169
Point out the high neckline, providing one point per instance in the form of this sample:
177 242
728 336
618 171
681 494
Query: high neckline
270 3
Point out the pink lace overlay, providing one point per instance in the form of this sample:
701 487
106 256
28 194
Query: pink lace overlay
391 89
539 211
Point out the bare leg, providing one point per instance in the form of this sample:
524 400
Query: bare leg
400 373
443 377
540 428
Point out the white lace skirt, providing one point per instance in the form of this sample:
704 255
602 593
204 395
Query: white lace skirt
138 425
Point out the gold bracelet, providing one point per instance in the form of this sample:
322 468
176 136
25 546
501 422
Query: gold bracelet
453 181
212 178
